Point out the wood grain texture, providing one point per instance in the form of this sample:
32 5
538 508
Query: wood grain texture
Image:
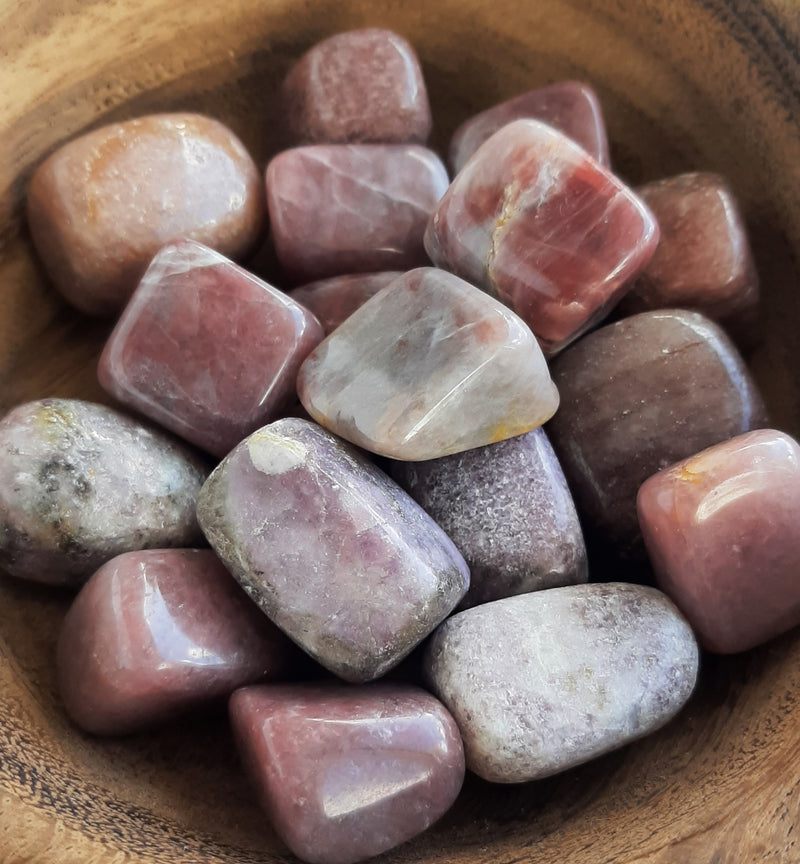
686 85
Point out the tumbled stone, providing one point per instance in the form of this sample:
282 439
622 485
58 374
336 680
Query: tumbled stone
430 366
102 205
703 260
345 773
570 106
533 220
541 682
362 85
206 349
355 208
637 396
721 530
334 552
153 634
507 508
81 483
335 299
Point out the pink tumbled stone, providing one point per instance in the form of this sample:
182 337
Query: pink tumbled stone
363 85
354 208
533 220
345 773
207 349
155 633
571 106
721 529
335 299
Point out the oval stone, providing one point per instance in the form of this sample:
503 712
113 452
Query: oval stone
541 682
81 483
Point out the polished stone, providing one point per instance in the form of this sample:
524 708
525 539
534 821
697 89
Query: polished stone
430 366
356 208
154 634
81 483
345 773
721 530
542 682
334 552
362 85
533 220
206 349
507 508
569 106
335 299
102 205
637 396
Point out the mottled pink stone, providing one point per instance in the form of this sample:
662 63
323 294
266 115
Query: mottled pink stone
207 349
335 299
721 529
428 367
363 85
102 205
345 773
334 552
570 106
156 633
533 220
354 208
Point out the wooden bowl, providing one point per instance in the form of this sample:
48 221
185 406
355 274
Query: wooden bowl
711 84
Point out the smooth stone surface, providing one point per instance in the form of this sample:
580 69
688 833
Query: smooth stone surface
355 208
533 220
345 773
81 483
507 508
721 531
333 300
541 682
334 552
153 634
431 366
362 85
206 349
703 260
101 206
637 396
570 106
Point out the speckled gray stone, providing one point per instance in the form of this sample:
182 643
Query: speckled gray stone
541 682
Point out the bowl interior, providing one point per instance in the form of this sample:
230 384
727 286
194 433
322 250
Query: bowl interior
685 85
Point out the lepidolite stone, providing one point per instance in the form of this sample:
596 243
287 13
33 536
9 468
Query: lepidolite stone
430 366
533 220
81 483
333 300
102 205
507 508
155 633
570 106
334 552
364 85
345 773
637 396
355 208
721 530
703 260
541 682
206 349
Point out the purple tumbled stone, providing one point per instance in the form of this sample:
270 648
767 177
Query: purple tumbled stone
508 510
155 633
345 773
206 349
334 552
355 208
